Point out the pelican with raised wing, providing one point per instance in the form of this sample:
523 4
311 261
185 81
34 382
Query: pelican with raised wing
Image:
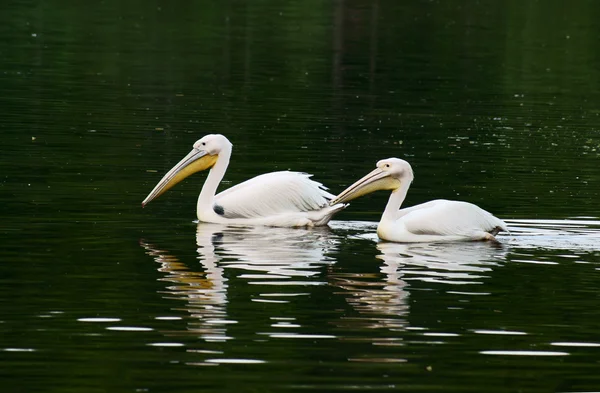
433 221
284 199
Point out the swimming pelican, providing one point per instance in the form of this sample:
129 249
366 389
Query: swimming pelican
284 199
433 221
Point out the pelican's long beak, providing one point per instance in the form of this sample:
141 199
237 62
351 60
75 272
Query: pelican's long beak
195 161
374 181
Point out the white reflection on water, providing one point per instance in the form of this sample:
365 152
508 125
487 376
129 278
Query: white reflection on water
572 235
454 263
284 258
235 361
524 353
575 344
382 300
166 345
272 254
99 319
204 291
292 261
500 332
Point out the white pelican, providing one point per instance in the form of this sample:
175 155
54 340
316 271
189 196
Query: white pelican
283 199
437 220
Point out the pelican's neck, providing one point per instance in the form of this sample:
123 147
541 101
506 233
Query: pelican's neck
215 175
398 195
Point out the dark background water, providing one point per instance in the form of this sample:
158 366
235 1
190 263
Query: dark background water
496 103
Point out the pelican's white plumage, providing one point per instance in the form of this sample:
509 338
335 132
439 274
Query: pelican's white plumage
273 193
288 199
438 220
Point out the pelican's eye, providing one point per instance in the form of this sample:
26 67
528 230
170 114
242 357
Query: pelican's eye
387 165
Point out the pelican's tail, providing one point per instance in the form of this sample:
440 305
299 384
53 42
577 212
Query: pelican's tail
322 217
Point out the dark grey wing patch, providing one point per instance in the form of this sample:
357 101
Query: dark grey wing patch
219 210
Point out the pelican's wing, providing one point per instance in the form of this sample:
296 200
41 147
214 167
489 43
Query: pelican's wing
270 194
423 206
442 217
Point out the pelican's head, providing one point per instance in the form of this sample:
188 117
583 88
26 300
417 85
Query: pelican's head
389 175
203 156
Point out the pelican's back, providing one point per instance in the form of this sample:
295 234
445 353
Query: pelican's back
450 218
272 194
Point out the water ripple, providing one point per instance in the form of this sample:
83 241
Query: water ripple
235 361
524 353
19 349
499 332
100 320
575 344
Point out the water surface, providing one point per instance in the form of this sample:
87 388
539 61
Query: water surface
495 103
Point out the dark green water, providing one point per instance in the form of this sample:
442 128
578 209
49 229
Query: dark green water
493 102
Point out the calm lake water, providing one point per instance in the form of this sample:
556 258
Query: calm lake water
495 103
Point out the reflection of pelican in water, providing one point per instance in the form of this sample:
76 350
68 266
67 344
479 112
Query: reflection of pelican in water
284 257
205 292
273 254
382 299
456 263
433 221
282 199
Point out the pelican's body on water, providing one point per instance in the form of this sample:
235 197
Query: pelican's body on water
286 199
434 221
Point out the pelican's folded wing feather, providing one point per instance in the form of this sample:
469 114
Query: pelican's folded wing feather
271 194
447 218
